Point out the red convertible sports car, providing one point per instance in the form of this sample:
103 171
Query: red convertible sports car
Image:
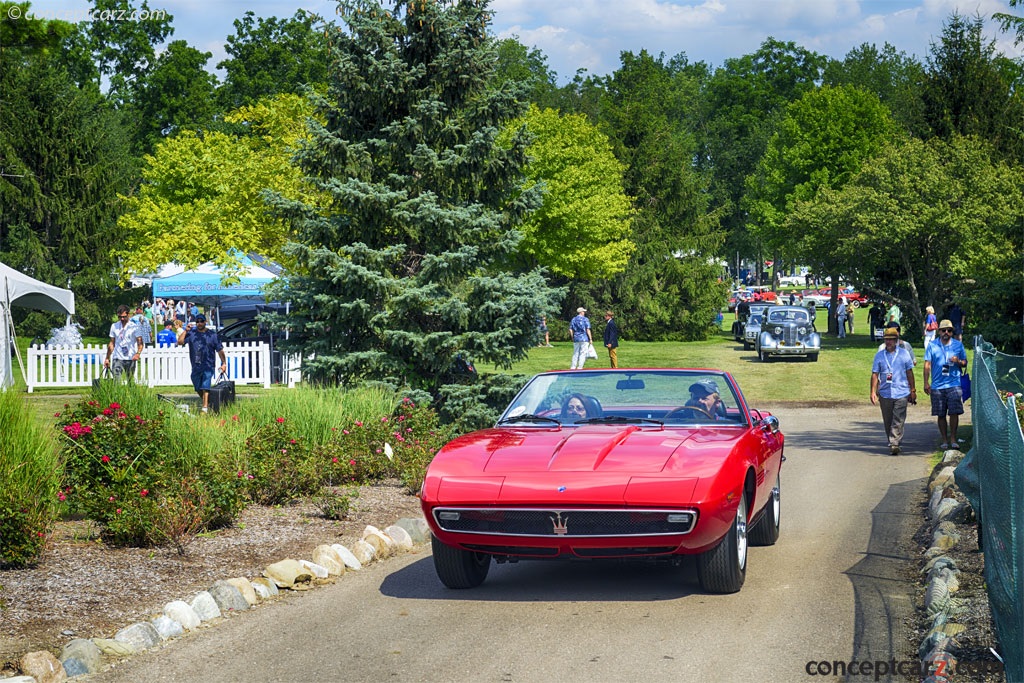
626 463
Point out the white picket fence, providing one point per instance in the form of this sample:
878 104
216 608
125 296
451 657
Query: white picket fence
65 366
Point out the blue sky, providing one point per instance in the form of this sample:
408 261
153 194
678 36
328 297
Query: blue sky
591 34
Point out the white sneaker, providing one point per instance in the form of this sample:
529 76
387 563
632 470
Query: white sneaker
205 409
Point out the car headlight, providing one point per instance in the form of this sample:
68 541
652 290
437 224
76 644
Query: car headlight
778 330
802 330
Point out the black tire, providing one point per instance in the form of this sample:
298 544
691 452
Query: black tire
766 530
813 357
459 568
724 568
765 357
747 346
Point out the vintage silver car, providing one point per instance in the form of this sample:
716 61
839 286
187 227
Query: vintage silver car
739 328
752 330
788 331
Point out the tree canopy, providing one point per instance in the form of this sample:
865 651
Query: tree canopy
405 266
202 198
582 228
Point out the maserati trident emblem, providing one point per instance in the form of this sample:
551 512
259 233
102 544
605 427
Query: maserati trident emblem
561 525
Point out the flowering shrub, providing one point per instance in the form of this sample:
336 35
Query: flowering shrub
280 468
125 475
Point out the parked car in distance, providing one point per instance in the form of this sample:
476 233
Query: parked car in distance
739 327
751 331
788 331
624 463
792 281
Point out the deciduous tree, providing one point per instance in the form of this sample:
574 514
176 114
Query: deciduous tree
202 195
582 228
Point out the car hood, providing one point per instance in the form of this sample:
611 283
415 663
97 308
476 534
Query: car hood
601 455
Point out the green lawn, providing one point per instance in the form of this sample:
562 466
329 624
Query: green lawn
841 374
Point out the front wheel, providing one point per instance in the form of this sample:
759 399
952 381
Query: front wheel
813 357
765 356
724 568
766 530
459 568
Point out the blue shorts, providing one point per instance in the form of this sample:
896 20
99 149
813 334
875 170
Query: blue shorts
947 401
201 379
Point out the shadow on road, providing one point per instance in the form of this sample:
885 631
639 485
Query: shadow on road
885 580
554 581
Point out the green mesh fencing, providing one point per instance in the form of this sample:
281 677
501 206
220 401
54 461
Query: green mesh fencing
991 475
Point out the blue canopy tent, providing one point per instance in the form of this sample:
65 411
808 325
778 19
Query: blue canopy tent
205 286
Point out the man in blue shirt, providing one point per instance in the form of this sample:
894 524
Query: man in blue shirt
166 336
579 328
944 360
203 344
892 386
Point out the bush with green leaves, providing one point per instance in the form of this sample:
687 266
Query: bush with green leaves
139 486
31 478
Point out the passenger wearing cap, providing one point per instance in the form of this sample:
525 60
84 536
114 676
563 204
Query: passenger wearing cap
903 343
944 361
704 395
579 328
892 386
203 345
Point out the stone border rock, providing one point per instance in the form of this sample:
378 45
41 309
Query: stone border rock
947 508
327 562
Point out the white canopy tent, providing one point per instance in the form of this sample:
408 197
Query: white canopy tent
18 289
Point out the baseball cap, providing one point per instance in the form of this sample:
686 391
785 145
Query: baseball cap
581 310
892 324
200 318
705 387
891 333
945 325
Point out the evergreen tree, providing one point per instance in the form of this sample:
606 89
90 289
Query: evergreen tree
405 266
63 160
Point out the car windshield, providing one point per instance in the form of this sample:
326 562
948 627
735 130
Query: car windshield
788 315
754 320
656 397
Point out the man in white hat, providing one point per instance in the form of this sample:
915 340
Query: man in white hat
892 386
579 328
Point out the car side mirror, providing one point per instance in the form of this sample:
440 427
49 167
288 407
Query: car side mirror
770 424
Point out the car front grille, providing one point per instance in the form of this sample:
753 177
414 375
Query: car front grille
568 523
789 335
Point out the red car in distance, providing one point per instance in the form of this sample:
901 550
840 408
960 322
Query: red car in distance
625 463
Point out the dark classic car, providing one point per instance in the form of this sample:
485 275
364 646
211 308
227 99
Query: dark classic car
788 331
742 329
626 463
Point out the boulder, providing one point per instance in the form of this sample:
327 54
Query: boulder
364 552
140 636
417 527
347 557
113 648
205 606
328 558
43 667
81 656
401 537
317 570
182 612
244 587
167 627
287 573
227 597
264 587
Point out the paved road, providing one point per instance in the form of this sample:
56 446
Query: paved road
837 585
